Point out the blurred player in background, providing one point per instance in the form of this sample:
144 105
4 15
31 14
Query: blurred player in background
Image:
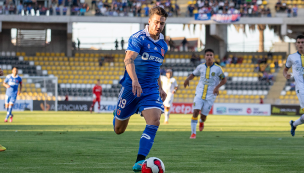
97 92
11 83
2 148
211 79
170 86
141 90
296 61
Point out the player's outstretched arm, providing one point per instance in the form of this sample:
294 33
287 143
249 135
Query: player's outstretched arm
285 74
130 67
216 89
186 83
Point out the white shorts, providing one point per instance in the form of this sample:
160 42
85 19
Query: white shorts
301 98
203 105
169 100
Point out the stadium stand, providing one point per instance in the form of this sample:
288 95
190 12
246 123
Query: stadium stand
77 75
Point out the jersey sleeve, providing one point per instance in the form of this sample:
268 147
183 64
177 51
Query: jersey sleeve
288 62
196 72
221 74
6 79
134 44
175 83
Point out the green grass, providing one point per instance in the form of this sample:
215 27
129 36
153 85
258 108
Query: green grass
83 142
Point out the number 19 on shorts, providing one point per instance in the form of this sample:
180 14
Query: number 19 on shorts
122 103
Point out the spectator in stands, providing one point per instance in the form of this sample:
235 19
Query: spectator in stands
276 64
184 42
51 11
146 9
138 8
73 45
116 44
171 44
64 10
1 10
194 59
66 98
12 9
269 55
278 6
57 10
122 43
261 100
288 12
234 59
292 86
295 11
101 60
93 3
100 4
43 10
78 43
268 12
176 9
82 10
29 8
254 60
190 10
19 8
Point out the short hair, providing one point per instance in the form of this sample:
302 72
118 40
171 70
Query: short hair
15 67
159 11
209 50
98 80
300 37
168 71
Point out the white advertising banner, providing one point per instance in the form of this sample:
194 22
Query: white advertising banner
241 109
20 105
105 106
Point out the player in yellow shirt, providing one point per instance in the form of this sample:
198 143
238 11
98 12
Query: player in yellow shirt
211 79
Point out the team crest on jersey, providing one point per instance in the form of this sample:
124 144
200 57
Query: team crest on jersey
163 52
212 74
148 46
118 112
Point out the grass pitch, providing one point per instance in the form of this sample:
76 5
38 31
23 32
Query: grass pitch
84 142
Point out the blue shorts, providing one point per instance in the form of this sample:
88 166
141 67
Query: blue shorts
10 99
129 104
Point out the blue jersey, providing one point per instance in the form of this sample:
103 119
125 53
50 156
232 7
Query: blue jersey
147 64
13 82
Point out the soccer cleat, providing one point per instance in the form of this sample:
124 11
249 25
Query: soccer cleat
201 126
166 122
293 128
5 120
91 109
193 136
2 148
137 166
11 118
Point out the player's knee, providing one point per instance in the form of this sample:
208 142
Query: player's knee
195 113
155 121
119 131
203 117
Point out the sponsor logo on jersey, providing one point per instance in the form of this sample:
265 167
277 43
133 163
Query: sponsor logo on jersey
146 56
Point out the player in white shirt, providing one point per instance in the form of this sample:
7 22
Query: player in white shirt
296 61
170 86
211 79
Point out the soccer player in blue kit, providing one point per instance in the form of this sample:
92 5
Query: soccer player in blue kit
141 90
11 83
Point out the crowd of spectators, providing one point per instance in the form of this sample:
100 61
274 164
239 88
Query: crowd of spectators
98 8
281 7
248 9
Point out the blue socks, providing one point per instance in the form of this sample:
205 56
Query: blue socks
147 140
9 111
